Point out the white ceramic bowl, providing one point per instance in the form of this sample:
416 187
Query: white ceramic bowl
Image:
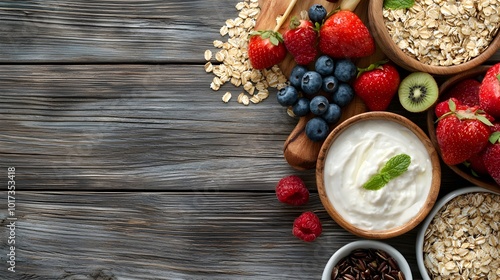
366 244
439 204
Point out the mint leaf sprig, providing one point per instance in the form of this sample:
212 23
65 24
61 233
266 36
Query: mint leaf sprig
398 4
394 167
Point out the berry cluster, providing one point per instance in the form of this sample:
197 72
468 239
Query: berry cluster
323 92
291 190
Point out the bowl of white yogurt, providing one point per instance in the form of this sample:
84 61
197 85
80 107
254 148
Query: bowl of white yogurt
378 175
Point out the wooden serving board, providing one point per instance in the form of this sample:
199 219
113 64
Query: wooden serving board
300 152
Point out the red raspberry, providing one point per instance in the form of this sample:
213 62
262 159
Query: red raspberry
292 190
307 227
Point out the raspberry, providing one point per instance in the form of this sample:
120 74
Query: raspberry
292 190
307 227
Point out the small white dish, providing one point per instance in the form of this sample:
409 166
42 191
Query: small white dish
366 244
439 204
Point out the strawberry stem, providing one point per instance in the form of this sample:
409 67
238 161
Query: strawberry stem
285 15
376 65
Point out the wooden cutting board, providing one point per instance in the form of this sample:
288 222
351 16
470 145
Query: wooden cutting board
300 152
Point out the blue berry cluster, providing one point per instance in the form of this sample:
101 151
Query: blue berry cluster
321 92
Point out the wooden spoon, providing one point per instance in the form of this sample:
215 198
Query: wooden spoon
299 151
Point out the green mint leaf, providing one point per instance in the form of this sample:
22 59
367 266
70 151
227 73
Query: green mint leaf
375 183
495 137
398 4
393 168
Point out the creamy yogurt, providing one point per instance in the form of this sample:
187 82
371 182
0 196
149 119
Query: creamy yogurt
361 151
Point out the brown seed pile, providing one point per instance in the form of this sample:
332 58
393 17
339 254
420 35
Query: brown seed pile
372 264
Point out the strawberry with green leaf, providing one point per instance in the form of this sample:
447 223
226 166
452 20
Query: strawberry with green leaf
461 133
491 158
344 35
266 49
376 85
489 92
301 40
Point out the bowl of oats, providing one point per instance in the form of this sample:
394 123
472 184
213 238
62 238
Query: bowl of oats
460 238
436 36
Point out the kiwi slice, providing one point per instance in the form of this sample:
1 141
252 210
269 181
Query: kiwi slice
418 92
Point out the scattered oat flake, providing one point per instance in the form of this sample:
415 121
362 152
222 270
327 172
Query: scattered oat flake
232 54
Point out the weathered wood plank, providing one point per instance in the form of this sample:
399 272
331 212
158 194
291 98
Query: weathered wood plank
78 31
61 235
140 127
110 31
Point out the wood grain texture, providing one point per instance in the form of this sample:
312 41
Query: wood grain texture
110 31
159 235
137 127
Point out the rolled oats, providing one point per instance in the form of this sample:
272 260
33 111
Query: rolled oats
442 32
234 64
462 241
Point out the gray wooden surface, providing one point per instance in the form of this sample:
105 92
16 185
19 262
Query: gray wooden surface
129 167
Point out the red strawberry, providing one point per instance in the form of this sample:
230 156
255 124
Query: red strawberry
266 49
300 41
461 134
491 157
466 91
344 35
443 107
489 92
476 163
377 85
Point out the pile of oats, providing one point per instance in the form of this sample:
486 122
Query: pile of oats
231 60
444 32
463 239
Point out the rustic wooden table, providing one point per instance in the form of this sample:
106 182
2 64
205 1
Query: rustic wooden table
128 166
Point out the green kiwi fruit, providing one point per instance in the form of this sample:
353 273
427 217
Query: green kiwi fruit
418 92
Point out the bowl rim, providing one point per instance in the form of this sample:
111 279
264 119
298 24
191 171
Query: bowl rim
439 204
393 52
431 127
346 249
435 182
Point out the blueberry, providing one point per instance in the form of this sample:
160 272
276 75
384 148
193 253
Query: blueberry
318 105
317 13
287 96
317 129
332 115
343 95
296 75
345 70
330 84
324 65
311 82
301 107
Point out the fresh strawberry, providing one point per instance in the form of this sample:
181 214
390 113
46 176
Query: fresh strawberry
344 35
461 134
266 49
489 92
443 107
476 163
491 157
466 91
300 41
377 85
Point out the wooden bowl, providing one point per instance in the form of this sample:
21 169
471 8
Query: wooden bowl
394 53
484 181
356 132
